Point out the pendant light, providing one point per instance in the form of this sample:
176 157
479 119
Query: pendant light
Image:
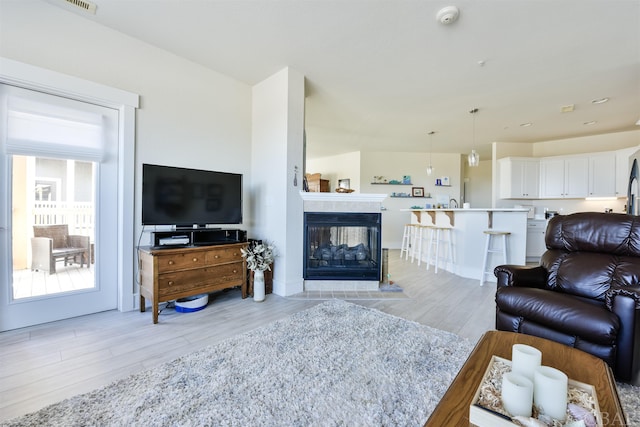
474 157
430 168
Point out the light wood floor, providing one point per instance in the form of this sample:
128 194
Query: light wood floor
44 364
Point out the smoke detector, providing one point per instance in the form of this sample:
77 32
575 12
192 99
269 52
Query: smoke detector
448 15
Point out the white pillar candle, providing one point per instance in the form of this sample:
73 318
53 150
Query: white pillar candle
550 392
517 394
525 360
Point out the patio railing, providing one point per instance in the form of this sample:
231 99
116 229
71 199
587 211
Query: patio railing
79 216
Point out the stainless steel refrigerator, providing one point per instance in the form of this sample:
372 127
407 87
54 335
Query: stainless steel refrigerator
633 191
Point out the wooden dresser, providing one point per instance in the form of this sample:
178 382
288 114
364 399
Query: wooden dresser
169 274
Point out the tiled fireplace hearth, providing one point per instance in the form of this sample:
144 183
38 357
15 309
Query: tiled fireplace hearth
342 241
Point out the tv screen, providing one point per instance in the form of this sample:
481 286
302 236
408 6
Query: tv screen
187 197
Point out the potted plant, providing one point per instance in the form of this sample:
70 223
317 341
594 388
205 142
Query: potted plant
259 258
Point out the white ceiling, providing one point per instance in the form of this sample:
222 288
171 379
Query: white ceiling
381 74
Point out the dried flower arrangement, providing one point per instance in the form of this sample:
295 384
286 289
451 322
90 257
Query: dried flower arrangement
259 256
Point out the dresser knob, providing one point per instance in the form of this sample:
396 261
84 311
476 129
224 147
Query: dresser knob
170 282
217 256
170 262
235 271
195 259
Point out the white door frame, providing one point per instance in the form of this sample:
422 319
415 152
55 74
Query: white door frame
30 77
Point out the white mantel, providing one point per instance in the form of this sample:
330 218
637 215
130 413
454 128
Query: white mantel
342 202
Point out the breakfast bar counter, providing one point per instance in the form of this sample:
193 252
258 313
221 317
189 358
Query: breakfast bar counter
468 237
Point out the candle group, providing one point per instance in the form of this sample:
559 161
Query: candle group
529 383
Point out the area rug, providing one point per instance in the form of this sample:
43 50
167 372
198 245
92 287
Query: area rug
337 363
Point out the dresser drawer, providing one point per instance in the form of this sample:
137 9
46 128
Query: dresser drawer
181 282
181 261
222 255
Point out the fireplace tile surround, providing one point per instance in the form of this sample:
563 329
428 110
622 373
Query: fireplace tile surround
342 203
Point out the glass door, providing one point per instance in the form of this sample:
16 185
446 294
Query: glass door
53 234
58 208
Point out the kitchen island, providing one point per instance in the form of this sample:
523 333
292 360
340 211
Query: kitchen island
468 238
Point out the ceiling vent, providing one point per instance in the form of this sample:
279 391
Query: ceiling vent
87 6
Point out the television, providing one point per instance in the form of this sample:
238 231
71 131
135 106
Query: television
190 197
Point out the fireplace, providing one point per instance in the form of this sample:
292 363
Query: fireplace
342 246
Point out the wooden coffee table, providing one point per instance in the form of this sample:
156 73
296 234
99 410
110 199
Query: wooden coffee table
453 409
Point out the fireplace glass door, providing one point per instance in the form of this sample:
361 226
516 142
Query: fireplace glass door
342 246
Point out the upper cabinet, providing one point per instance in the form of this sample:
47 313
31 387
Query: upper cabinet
519 178
564 177
602 175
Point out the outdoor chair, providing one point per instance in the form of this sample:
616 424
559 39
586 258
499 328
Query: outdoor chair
53 243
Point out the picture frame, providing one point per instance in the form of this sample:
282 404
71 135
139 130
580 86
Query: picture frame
417 191
344 183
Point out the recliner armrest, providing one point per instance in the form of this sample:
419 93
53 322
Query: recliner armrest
624 291
520 275
624 302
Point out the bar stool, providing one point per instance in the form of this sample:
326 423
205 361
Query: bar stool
407 237
418 237
437 235
488 248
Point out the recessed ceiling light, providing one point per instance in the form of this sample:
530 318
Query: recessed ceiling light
592 122
599 100
567 108
525 125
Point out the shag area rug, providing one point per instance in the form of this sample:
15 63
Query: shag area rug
335 364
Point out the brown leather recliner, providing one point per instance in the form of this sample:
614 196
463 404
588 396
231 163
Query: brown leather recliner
586 291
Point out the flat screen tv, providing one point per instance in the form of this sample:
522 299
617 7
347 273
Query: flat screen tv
188 197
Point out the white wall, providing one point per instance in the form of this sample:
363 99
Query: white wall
334 168
189 115
277 157
478 185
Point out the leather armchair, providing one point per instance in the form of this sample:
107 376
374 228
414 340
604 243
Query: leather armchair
586 291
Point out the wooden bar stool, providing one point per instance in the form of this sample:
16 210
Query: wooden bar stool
489 248
437 235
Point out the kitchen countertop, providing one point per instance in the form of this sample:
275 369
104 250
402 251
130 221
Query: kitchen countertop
452 212
467 210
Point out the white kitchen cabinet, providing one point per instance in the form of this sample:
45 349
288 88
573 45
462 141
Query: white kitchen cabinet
519 178
564 177
536 246
602 175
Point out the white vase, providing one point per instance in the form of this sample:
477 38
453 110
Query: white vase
258 285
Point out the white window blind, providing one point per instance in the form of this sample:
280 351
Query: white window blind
43 125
